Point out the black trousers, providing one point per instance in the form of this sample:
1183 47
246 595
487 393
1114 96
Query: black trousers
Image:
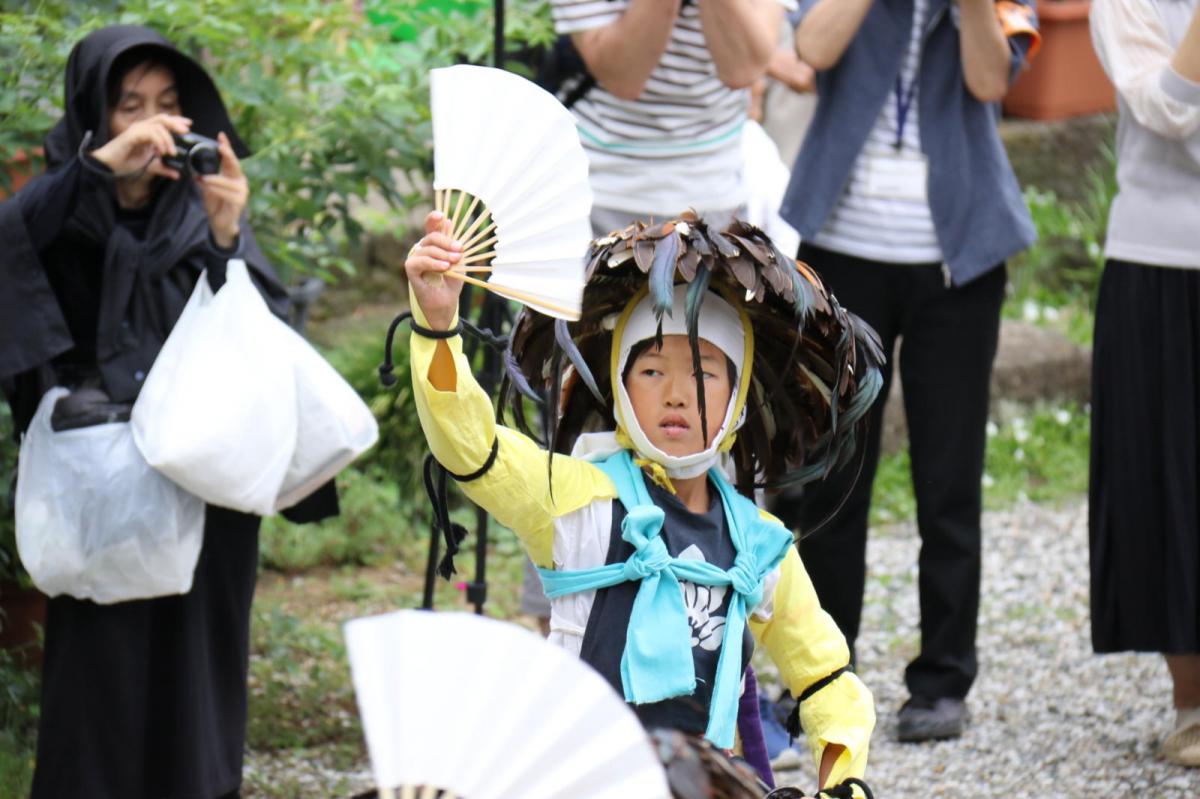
948 342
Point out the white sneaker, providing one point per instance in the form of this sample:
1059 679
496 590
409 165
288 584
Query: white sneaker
1182 747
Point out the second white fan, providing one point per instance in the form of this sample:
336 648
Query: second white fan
457 705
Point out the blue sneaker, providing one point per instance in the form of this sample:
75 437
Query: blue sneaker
776 737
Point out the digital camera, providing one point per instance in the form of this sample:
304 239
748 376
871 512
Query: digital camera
195 155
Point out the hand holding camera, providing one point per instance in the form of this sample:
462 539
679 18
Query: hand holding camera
225 192
138 149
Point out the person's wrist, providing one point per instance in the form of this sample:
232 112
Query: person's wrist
440 318
104 155
225 238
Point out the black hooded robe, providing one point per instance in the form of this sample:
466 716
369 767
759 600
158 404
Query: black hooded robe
142 699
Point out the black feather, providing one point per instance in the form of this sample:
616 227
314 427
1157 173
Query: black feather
551 415
695 299
513 370
562 335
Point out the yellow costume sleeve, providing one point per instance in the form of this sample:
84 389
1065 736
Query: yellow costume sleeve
807 646
460 427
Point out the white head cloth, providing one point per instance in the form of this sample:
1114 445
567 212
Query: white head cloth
718 324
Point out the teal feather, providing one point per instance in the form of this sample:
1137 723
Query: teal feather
662 273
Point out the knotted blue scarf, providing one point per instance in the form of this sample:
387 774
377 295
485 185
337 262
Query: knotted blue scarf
657 663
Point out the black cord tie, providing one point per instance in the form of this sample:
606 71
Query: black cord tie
452 532
845 790
793 719
386 369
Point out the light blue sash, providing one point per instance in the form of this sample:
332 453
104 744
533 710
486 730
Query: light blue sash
657 663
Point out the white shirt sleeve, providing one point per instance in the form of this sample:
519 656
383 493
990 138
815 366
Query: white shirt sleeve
1132 44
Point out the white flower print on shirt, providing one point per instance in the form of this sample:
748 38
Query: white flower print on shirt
701 602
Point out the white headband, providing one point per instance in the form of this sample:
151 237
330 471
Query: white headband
720 325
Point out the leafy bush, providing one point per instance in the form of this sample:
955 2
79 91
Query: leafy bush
20 688
300 689
1041 455
10 567
1065 263
401 450
333 108
375 524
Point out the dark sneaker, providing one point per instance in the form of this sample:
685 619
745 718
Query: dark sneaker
924 719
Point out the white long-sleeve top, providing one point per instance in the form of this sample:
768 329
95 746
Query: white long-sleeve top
1155 217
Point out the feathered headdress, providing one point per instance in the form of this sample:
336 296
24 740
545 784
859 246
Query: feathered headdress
815 368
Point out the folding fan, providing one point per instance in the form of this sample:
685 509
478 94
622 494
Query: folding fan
511 175
457 706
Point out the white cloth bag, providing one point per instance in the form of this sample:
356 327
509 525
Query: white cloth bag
217 413
334 425
95 521
766 176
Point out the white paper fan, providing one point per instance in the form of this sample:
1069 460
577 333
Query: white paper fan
459 706
512 176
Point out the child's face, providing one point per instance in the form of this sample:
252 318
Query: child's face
662 390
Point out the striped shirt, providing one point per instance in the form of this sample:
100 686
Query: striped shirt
879 228
679 144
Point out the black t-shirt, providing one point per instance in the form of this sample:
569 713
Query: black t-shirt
698 536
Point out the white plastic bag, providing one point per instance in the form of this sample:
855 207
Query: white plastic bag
95 521
217 413
334 425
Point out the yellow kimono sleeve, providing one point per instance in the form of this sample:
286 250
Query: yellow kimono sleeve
460 427
807 646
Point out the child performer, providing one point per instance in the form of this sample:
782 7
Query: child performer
661 574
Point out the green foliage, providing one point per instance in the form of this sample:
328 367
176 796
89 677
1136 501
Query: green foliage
10 565
300 689
374 526
1041 456
892 492
332 107
401 450
1055 281
20 688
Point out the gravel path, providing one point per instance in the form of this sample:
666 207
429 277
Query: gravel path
1049 718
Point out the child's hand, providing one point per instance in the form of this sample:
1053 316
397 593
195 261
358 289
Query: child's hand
435 253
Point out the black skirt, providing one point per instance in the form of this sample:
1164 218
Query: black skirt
1144 509
147 699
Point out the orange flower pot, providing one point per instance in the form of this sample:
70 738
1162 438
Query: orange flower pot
1065 79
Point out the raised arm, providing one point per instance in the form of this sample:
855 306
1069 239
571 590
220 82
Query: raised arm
985 51
741 36
837 711
622 54
459 421
826 30
1159 84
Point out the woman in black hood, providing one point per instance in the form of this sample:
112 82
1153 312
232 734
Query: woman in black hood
97 259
